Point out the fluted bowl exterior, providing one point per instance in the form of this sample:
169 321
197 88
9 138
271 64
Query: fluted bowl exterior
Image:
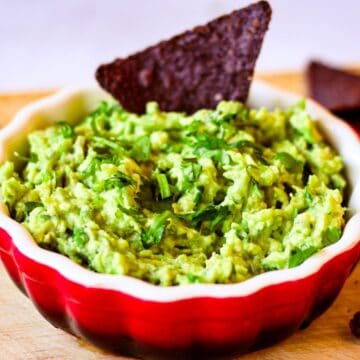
134 317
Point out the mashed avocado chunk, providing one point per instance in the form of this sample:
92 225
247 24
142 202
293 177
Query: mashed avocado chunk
214 197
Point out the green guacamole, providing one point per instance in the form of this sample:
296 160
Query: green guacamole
215 197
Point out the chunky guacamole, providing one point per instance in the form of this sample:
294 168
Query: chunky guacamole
215 197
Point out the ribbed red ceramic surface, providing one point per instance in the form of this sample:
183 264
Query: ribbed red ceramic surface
115 320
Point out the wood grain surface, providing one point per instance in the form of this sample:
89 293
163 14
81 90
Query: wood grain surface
25 335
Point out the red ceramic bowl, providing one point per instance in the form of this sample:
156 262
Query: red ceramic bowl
131 316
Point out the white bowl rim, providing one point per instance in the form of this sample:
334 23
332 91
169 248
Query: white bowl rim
140 289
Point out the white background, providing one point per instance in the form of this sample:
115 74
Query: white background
46 43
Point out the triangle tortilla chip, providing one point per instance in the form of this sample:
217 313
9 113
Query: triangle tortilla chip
195 69
336 89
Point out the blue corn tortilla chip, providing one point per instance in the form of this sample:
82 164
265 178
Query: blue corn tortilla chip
195 69
337 90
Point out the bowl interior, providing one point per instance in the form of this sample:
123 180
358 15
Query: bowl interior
68 105
73 104
338 133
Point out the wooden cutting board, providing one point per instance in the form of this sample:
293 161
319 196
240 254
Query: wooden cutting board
25 335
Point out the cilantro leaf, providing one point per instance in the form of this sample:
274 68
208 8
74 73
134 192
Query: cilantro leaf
255 188
194 127
193 278
80 236
223 212
258 152
95 163
30 206
66 130
198 194
331 235
154 234
289 162
141 149
308 197
119 180
209 142
245 143
204 141
191 171
213 213
298 256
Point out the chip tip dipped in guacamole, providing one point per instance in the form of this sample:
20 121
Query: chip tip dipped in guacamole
218 196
